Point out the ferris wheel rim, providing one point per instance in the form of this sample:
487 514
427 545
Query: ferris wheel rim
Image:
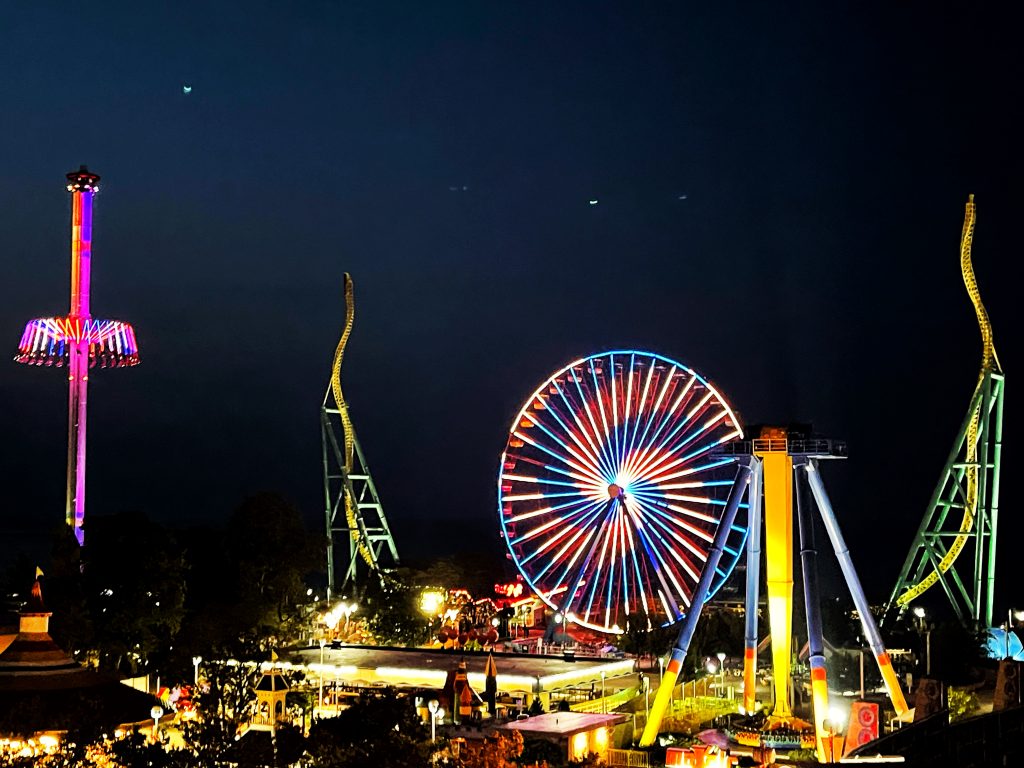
645 500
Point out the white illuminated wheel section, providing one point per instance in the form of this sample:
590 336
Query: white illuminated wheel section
610 489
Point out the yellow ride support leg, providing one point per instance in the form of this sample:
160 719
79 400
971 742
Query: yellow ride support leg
778 526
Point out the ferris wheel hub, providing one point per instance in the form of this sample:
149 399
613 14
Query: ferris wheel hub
615 491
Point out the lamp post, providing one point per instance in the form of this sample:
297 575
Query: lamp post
721 672
156 713
604 704
196 661
322 644
433 708
926 630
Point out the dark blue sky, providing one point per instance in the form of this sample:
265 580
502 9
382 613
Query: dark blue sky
811 270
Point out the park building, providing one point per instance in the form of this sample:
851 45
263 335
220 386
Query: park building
45 694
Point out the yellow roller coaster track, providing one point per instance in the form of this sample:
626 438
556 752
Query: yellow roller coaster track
989 364
351 512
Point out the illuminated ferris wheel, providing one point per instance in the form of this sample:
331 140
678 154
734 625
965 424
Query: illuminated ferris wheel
610 490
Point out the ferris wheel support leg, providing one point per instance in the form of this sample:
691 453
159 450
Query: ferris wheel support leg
700 594
753 592
812 607
856 592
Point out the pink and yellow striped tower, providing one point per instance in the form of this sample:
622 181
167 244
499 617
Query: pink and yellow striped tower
78 341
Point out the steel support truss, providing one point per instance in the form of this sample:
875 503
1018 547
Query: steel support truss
370 532
969 581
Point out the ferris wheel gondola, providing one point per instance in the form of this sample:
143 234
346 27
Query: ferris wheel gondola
610 489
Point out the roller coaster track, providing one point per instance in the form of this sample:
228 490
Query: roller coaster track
969 470
347 483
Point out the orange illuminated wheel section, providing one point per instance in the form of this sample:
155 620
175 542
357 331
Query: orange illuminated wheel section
611 489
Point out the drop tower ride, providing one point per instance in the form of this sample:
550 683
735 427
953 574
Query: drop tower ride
78 341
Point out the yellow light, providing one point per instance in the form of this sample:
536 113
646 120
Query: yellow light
431 602
601 737
48 741
579 746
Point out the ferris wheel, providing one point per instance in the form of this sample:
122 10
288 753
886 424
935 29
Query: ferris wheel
610 490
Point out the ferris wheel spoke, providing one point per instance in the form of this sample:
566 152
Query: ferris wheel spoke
534 532
595 582
641 419
582 574
586 460
613 386
600 400
603 465
664 519
655 472
651 544
561 579
656 501
580 530
661 567
664 447
654 412
641 592
668 448
606 466
537 480
711 445
561 457
688 471
547 510
594 452
608 451
665 522
622 551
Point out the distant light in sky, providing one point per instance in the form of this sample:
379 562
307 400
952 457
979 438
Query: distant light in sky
186 88
682 197
593 202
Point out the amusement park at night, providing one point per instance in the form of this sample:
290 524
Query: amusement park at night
511 388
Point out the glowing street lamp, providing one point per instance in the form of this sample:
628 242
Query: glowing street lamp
156 713
196 661
721 671
322 644
436 715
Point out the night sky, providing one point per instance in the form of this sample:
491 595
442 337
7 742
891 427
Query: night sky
780 194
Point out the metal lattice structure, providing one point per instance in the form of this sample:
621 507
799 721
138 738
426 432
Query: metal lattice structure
79 342
968 489
353 512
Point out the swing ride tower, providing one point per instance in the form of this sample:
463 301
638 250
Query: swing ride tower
79 342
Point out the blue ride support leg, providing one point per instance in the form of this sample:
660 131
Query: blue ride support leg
867 621
812 607
700 594
753 592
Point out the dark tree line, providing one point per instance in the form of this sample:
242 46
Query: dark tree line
141 597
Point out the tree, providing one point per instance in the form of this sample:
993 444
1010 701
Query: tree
393 614
375 732
500 750
224 703
124 603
